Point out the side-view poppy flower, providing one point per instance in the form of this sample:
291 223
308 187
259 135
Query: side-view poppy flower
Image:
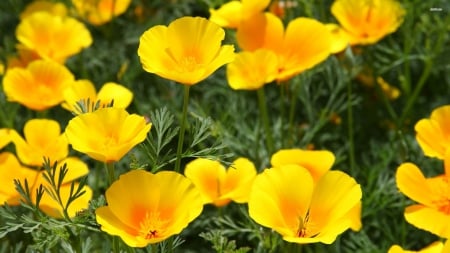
287 200
231 14
368 21
187 51
317 162
39 86
432 211
435 247
218 185
83 91
53 36
433 134
251 70
41 138
106 134
99 12
305 43
11 169
145 208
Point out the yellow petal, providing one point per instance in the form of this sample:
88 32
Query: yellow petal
5 137
428 219
251 70
412 183
42 5
79 91
76 168
51 207
340 38
228 15
251 7
113 91
317 162
239 180
435 247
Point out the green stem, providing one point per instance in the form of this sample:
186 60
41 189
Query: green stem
182 128
111 173
115 244
265 120
292 109
282 112
351 148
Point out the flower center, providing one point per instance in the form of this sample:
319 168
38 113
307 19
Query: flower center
306 228
188 63
152 226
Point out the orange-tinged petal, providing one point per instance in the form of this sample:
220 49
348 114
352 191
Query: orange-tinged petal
262 30
307 42
279 197
412 183
78 91
251 7
112 133
239 180
228 15
428 219
251 70
113 91
39 86
99 12
317 162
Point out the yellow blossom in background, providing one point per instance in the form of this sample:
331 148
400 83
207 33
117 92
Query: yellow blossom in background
251 70
435 247
432 211
23 57
317 162
42 138
52 36
231 14
218 185
433 134
106 134
187 51
10 169
39 86
75 169
84 90
305 43
368 21
340 38
99 12
145 208
54 8
367 78
287 200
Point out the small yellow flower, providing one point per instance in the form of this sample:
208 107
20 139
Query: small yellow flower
251 70
52 36
106 134
10 169
317 162
145 208
42 138
368 21
232 13
435 247
433 134
83 90
39 86
432 211
305 43
220 186
287 200
99 12
187 51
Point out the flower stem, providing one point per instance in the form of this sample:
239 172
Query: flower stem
111 172
265 119
351 148
182 128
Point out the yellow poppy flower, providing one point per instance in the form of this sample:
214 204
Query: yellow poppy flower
432 211
317 162
305 42
287 200
251 70
52 36
106 134
58 9
340 38
230 14
42 138
39 86
187 51
99 12
218 185
10 169
145 208
84 90
75 169
368 21
433 134
435 247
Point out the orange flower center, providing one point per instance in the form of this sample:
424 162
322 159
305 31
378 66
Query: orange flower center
306 228
188 63
152 226
442 201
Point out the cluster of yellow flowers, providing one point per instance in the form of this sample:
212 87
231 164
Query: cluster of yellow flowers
299 197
